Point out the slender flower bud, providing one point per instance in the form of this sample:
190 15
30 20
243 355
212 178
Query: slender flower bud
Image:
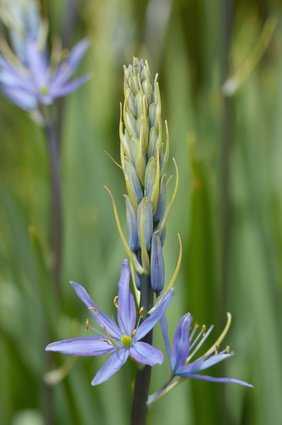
145 230
131 225
132 183
145 222
157 264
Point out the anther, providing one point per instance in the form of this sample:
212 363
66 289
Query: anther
92 308
115 301
141 312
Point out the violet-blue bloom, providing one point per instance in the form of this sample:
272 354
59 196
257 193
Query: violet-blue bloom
31 80
121 339
186 343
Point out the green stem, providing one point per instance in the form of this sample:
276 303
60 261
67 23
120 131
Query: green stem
168 386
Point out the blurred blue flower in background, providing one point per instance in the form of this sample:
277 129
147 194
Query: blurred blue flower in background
28 75
121 339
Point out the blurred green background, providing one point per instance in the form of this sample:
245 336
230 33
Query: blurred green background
228 209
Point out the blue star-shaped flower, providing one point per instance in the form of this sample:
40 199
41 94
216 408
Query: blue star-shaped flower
186 343
121 339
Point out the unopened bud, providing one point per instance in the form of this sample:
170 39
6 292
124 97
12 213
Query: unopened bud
157 264
131 221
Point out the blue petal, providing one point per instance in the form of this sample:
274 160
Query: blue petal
126 305
155 316
181 345
111 366
68 88
38 65
77 53
203 363
146 354
224 380
11 74
21 98
106 323
13 79
82 346
67 68
164 329
213 360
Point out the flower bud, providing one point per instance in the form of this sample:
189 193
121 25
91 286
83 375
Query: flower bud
145 223
157 264
132 182
131 221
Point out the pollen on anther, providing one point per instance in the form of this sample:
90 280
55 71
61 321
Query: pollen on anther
92 308
141 311
115 301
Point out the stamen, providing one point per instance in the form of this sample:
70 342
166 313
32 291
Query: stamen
202 331
141 312
92 308
140 316
221 336
193 331
115 301
204 337
108 341
227 350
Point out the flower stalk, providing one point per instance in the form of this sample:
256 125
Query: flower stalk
56 223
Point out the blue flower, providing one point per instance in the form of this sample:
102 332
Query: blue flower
187 342
30 80
121 339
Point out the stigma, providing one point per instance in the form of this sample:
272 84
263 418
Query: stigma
126 340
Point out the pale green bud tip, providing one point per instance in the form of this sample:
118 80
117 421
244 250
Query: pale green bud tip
141 134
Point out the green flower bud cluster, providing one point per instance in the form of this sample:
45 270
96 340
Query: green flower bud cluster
143 154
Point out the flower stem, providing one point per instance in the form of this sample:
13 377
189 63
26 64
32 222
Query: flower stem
143 376
168 386
56 202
